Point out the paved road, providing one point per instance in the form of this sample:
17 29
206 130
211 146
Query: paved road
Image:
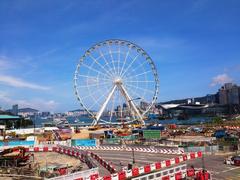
212 163
127 157
121 159
215 165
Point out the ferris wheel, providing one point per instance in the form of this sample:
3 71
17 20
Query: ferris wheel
116 80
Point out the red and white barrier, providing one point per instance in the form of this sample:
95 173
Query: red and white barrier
104 163
137 170
142 171
137 149
41 149
174 173
90 174
124 174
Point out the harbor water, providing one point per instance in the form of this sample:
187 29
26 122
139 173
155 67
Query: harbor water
86 120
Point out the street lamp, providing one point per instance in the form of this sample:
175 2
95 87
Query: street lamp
203 166
133 157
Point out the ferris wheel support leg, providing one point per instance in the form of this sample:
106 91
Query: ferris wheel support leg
131 103
99 114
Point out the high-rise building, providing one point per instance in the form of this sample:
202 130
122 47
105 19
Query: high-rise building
223 98
233 95
228 86
229 94
119 111
143 105
15 109
45 114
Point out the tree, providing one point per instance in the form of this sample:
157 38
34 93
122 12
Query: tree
217 120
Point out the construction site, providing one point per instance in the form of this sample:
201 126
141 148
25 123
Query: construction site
19 163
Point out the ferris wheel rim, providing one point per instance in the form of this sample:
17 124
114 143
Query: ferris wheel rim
130 45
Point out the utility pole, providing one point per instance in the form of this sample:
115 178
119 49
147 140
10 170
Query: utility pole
203 166
133 157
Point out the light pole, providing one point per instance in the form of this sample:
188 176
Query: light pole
203 166
133 157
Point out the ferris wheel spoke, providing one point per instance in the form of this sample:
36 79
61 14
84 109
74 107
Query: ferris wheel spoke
137 67
97 100
119 53
91 85
129 100
91 94
141 96
95 78
89 67
121 103
113 105
130 65
105 60
99 113
143 89
149 105
136 95
140 81
95 60
146 72
125 59
110 52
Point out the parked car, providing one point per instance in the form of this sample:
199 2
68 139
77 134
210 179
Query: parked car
232 160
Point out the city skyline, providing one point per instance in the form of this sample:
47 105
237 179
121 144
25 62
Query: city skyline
227 95
195 49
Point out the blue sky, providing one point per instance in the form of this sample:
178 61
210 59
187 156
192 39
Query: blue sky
195 45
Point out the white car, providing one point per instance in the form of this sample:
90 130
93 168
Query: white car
233 160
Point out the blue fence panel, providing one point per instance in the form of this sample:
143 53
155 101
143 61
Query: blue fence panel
83 142
17 143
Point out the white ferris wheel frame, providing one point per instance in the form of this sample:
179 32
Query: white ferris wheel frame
117 83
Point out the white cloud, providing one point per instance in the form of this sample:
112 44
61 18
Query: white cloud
40 104
221 79
17 82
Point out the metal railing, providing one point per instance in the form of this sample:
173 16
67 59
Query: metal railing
159 174
82 174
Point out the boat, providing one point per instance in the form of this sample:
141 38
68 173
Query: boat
60 123
76 120
63 124
44 118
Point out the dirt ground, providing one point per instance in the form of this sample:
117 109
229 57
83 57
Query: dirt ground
43 159
52 158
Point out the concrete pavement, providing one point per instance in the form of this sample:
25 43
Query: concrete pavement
212 163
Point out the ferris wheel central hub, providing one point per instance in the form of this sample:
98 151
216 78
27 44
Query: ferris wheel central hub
118 81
